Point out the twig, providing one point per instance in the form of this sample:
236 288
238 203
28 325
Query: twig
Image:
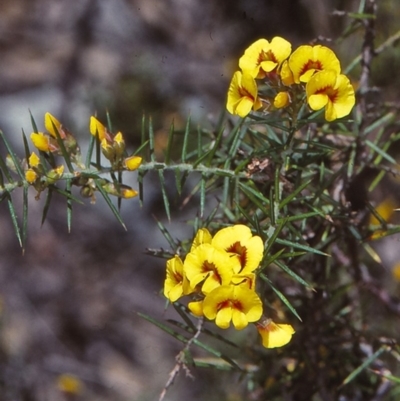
367 53
181 361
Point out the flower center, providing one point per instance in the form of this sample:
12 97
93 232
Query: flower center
209 267
240 251
328 91
245 93
230 303
311 65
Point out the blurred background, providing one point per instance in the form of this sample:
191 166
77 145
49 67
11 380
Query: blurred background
69 324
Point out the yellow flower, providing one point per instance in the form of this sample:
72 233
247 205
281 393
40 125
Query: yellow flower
34 160
69 384
385 209
203 236
396 272
30 176
196 307
248 280
209 264
242 95
127 193
232 303
133 162
50 122
273 334
97 128
281 100
332 91
239 241
54 175
107 149
286 74
263 57
41 141
119 144
307 60
176 284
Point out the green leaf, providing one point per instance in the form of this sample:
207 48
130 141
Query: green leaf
300 246
14 220
293 195
46 207
33 122
24 216
184 314
173 244
380 122
273 235
109 202
92 142
64 151
185 140
380 151
164 194
294 275
364 365
254 195
169 144
215 147
151 141
281 296
26 146
13 156
185 340
4 169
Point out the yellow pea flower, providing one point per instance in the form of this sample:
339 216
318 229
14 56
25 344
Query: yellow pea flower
273 334
332 91
234 303
128 193
133 162
203 236
239 242
263 57
30 176
97 128
286 74
242 95
196 307
209 265
281 100
34 160
68 383
306 60
176 283
41 141
50 122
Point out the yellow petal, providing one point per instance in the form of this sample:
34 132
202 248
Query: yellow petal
196 307
133 162
49 122
128 193
282 99
97 128
34 160
30 176
41 141
275 335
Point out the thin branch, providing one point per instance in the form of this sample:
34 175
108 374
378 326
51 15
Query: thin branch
181 361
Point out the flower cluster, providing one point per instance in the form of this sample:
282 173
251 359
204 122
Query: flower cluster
59 140
220 274
284 76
